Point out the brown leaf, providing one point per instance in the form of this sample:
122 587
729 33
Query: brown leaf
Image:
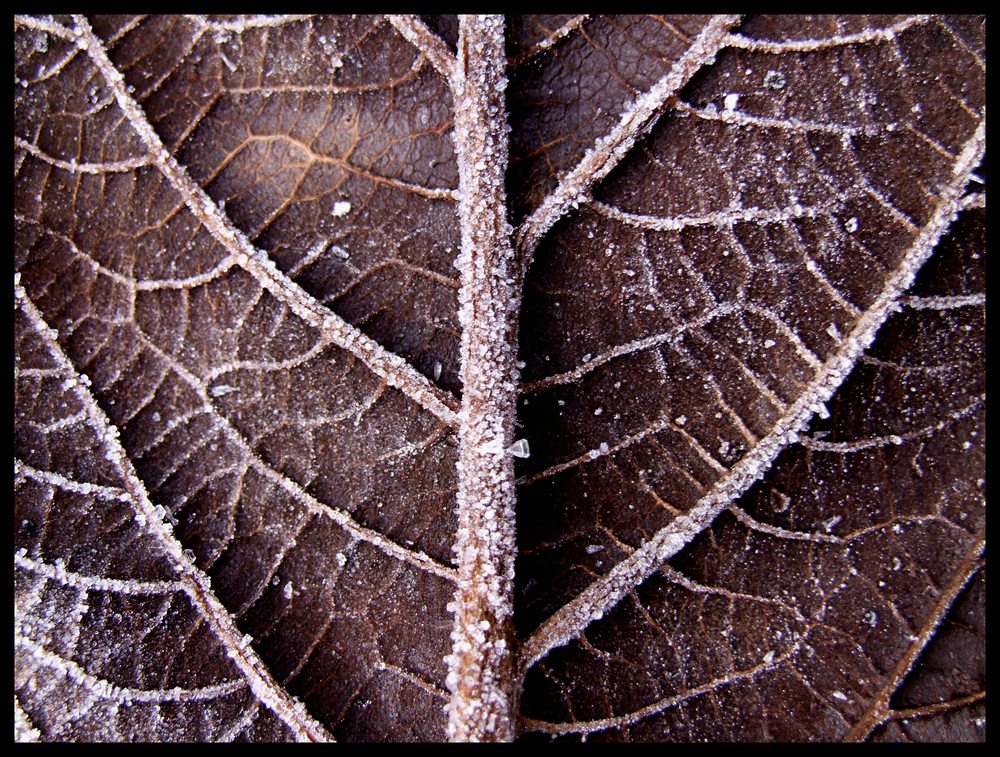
258 260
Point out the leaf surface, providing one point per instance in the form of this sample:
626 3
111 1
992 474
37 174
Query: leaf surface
258 260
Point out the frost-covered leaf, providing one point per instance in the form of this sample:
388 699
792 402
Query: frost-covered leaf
269 336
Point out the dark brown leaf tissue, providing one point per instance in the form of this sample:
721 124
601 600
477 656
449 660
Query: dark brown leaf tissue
549 378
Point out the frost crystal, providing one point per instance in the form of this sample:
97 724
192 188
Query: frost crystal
774 80
519 449
286 592
341 208
729 102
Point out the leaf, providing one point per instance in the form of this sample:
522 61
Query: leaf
401 379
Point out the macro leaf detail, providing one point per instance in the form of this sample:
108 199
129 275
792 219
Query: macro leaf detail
397 378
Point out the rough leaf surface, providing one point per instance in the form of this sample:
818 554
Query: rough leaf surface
751 494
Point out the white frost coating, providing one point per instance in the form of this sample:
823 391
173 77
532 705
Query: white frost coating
24 730
609 151
605 592
397 372
194 583
480 666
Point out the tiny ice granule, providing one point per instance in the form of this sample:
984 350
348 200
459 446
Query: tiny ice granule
774 80
519 448
598 411
729 102
287 590
341 208
680 420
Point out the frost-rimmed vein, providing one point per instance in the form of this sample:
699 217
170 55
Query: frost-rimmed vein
548 41
193 581
117 166
609 150
427 42
24 729
480 666
886 34
65 577
604 593
107 690
397 371
660 706
296 490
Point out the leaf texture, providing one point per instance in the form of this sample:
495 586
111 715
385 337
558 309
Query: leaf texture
311 311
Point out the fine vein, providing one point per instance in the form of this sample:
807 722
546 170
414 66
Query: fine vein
604 593
194 582
878 710
397 371
609 150
427 42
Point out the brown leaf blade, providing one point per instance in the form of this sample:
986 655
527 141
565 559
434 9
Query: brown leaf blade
817 593
269 338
